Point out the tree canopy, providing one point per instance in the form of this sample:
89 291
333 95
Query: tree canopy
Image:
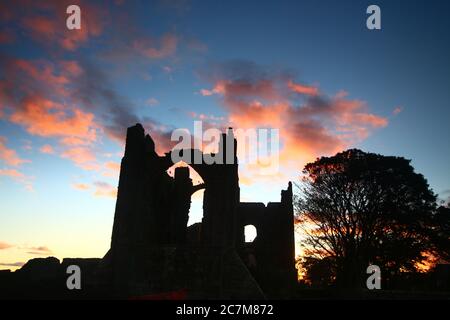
359 208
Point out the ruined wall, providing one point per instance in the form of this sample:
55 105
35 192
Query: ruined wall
271 256
150 251
151 209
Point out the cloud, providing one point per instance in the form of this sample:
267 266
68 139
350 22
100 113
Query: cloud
45 22
111 169
69 100
12 264
13 173
104 189
147 47
83 157
81 186
93 90
311 123
39 99
7 36
46 118
100 189
4 245
19 177
40 250
10 156
47 149
397 110
138 48
59 99
114 166
152 102
27 145
216 90
303 89
210 119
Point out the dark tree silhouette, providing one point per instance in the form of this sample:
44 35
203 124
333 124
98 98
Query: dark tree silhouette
360 208
440 233
318 272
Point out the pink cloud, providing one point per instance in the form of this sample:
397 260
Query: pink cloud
397 110
38 86
18 177
104 189
10 156
4 245
13 173
80 186
45 22
47 149
83 157
71 68
112 169
303 89
46 118
311 124
114 166
50 100
206 92
165 48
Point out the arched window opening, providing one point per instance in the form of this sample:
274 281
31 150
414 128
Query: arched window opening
250 233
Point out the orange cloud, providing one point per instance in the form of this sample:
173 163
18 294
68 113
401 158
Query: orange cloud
242 90
4 245
50 99
80 186
41 250
71 68
83 157
303 89
112 169
47 149
114 166
219 88
245 180
104 189
50 119
32 90
46 21
167 47
62 96
19 177
310 123
12 173
32 75
10 156
12 264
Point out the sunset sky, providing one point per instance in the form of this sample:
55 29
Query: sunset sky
308 68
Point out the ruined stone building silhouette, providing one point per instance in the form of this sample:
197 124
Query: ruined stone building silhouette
153 250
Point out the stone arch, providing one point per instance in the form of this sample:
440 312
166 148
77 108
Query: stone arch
196 205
